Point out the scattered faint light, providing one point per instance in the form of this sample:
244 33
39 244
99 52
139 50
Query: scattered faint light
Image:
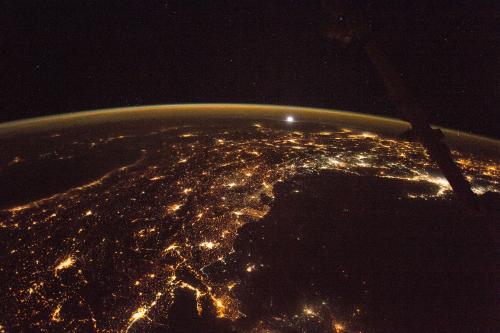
217 231
16 159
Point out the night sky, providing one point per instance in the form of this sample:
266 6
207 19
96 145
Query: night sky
65 56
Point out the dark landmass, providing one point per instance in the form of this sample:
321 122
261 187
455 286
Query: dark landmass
222 226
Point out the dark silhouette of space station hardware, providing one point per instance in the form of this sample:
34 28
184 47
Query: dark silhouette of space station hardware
348 25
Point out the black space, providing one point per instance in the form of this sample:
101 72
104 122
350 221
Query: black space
64 56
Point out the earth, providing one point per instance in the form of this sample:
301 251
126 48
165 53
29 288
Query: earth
241 218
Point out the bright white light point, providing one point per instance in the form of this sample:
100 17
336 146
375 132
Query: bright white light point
66 263
338 327
138 314
290 119
56 314
88 213
208 245
250 268
309 312
368 135
171 247
174 207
